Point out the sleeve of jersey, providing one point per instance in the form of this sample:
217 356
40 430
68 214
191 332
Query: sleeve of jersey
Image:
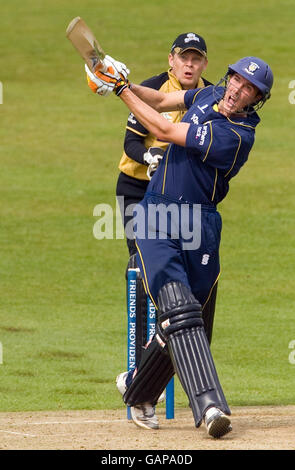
134 146
219 145
190 97
134 125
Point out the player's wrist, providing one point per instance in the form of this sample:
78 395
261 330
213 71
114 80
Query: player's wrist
121 85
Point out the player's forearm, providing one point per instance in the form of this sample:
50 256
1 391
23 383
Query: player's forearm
146 115
159 100
149 95
153 121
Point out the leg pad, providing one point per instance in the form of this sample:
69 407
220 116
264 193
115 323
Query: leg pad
195 368
181 324
154 372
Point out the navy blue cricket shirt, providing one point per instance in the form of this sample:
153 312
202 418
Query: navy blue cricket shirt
215 150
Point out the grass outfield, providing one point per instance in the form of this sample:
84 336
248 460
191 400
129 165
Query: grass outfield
62 311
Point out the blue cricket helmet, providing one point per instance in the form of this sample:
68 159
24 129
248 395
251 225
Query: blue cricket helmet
256 71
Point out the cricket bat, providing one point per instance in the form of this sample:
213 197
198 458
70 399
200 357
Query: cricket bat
86 44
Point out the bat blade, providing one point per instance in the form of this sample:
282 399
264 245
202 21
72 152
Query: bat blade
86 43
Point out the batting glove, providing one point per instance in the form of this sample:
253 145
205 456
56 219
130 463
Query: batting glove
152 158
120 85
118 69
101 83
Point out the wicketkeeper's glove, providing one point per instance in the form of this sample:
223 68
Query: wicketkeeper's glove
152 158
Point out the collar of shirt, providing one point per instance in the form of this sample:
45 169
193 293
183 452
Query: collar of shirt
176 83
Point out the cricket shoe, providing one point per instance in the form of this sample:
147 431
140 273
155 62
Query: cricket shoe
123 381
217 423
144 416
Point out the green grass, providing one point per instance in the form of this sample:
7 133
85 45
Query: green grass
62 311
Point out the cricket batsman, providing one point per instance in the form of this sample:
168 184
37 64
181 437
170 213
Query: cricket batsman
207 149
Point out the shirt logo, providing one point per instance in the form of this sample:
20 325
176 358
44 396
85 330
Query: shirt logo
205 259
167 116
191 37
195 119
131 118
251 69
201 133
201 108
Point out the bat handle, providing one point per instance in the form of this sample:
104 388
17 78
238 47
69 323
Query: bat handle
98 65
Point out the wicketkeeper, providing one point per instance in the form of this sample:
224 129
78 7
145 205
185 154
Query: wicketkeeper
208 147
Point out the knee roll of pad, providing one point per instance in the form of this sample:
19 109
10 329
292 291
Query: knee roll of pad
178 308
